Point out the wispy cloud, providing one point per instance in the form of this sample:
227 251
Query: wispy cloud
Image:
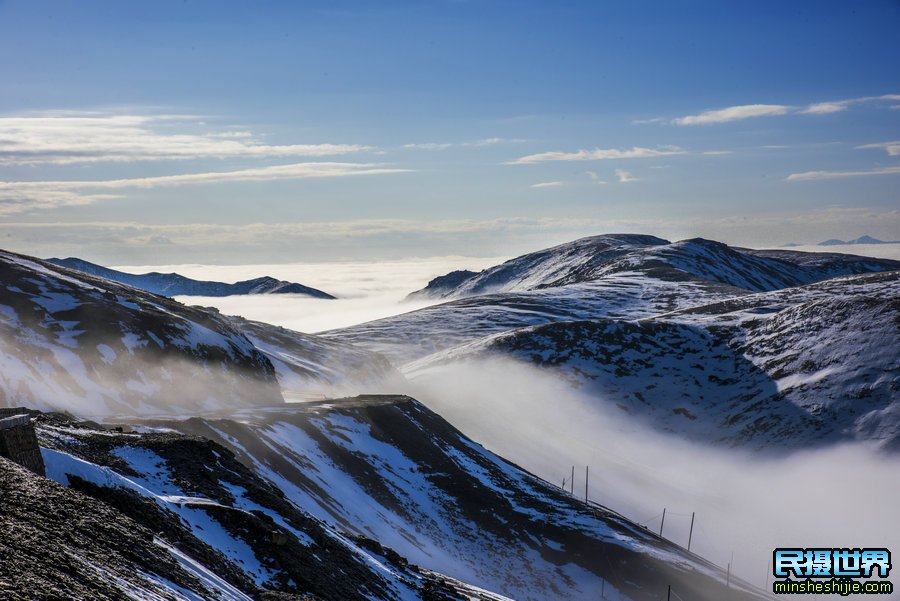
649 121
813 175
71 138
749 111
428 146
493 142
825 108
599 154
625 177
16 197
716 153
837 106
595 178
732 113
546 185
892 148
475 143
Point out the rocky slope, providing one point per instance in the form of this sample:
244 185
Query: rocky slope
388 469
173 284
57 543
158 515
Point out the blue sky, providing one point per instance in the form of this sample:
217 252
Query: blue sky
236 131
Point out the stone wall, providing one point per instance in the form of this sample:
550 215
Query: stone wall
18 442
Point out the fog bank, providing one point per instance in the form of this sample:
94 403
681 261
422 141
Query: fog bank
365 290
842 496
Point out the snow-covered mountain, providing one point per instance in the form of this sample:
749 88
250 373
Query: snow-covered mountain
161 516
173 284
570 263
228 492
388 469
76 342
630 295
621 276
71 341
798 367
766 348
593 258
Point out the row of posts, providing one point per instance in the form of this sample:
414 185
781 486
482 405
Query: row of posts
587 473
571 482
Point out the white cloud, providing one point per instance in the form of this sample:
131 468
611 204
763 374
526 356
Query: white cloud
428 146
837 106
748 111
71 138
812 175
732 113
824 108
594 177
716 153
649 121
489 142
17 197
546 185
892 148
598 154
477 143
625 177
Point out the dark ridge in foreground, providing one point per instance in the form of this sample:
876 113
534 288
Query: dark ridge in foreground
389 469
196 519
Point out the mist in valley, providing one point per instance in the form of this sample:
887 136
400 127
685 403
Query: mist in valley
365 290
745 504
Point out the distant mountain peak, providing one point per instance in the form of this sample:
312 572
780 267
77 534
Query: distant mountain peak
174 284
864 239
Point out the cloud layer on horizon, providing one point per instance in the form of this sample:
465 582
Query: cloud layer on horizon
139 243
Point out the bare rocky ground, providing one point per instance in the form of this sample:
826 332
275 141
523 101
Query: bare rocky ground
57 543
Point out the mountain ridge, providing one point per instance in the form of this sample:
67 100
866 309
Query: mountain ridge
174 284
864 239
594 257
73 341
